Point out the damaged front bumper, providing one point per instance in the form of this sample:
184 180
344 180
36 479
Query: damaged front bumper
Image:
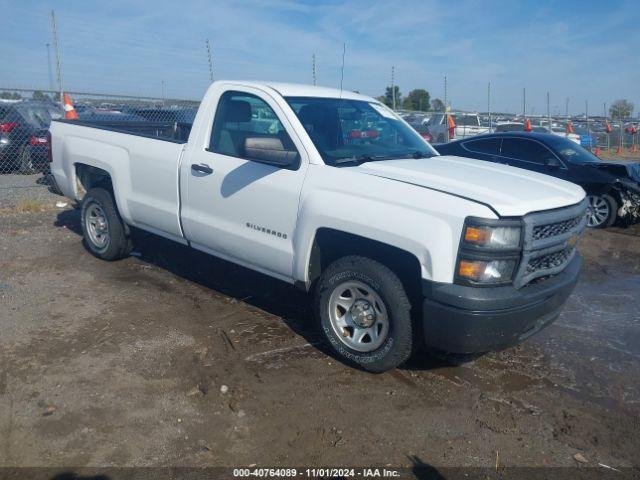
629 211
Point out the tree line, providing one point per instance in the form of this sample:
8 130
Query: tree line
417 99
420 100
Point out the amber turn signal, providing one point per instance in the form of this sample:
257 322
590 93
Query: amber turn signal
477 235
469 269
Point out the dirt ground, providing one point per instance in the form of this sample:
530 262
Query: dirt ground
174 358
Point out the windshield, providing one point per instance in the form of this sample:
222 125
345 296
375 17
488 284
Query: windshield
466 120
571 151
351 131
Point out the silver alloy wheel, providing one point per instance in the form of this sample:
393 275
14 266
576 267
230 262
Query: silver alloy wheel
97 226
598 211
358 316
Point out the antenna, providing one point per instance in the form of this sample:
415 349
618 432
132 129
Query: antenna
489 103
210 62
313 68
344 51
393 87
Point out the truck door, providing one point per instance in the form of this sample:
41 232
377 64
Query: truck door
237 203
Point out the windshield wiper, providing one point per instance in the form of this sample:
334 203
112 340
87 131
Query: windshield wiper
374 158
361 159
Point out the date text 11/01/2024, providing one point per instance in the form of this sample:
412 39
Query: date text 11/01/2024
317 472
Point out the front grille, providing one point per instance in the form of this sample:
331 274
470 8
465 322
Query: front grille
549 261
541 232
549 242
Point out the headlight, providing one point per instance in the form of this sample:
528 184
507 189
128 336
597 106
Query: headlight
486 271
490 251
493 237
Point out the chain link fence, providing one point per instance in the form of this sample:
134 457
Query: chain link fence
26 114
25 117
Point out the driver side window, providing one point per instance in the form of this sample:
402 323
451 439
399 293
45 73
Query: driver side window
241 116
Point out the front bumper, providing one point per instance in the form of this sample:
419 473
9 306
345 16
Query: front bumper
461 319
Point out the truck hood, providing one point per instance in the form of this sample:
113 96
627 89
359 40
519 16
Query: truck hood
508 190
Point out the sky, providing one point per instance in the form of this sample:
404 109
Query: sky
581 50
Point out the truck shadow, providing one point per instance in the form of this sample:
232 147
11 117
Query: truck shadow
256 289
253 288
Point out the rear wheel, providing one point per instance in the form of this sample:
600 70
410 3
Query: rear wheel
104 231
365 314
601 211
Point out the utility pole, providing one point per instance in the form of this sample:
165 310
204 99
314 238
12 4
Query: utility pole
163 92
489 103
566 108
393 88
445 93
524 103
604 111
55 45
313 67
548 113
210 62
49 69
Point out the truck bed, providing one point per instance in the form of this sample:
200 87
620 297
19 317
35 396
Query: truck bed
176 132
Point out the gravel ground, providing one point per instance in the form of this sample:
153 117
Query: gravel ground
15 189
174 358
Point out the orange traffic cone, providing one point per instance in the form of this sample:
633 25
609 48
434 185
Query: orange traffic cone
69 110
452 127
597 152
618 151
527 125
569 128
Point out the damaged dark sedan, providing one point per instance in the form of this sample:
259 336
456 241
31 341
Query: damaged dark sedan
613 188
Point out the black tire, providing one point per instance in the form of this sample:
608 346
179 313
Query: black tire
118 244
613 211
397 346
25 163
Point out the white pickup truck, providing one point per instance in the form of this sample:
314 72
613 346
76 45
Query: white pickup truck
332 192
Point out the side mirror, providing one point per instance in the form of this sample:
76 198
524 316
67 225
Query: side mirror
552 162
270 150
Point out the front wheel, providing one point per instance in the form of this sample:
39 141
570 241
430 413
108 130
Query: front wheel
365 314
601 211
104 231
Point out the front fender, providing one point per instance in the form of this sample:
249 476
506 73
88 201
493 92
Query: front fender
430 234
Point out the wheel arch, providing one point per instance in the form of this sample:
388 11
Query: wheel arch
331 244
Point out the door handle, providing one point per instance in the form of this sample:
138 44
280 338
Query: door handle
202 168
